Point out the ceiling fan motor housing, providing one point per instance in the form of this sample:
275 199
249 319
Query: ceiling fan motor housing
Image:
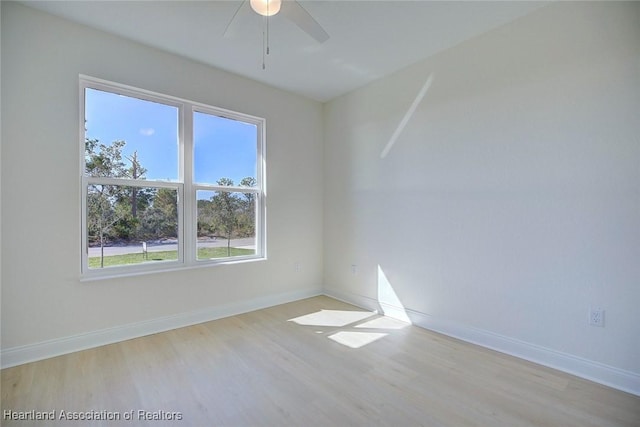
266 7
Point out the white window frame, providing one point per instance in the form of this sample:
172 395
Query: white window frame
185 186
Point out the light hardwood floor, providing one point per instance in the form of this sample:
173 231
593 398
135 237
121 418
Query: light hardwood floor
315 362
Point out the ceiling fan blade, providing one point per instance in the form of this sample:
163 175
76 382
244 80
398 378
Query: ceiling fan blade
299 16
231 29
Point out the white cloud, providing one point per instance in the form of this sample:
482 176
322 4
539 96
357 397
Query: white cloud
147 131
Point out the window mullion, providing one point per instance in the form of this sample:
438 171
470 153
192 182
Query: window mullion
188 204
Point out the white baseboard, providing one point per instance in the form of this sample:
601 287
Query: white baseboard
43 350
594 371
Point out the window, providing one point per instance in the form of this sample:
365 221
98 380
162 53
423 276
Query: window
167 183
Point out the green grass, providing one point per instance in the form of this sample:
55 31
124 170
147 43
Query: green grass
138 258
206 253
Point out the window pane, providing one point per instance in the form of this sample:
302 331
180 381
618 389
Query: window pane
127 137
131 225
224 149
226 224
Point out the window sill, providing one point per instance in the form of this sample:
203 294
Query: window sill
118 273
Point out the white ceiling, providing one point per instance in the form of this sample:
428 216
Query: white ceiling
368 39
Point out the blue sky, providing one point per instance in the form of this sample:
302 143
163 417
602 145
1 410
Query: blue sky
223 147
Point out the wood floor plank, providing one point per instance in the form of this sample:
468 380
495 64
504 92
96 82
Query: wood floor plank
315 362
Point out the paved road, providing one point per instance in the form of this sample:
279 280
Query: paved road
248 243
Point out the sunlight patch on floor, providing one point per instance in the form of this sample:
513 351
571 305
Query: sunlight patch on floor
356 339
383 323
350 326
334 318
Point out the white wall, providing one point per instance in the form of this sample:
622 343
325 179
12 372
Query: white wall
510 203
42 297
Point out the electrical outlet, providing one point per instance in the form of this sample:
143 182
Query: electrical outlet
354 269
596 316
296 266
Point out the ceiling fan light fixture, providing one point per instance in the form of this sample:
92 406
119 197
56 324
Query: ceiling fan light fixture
266 7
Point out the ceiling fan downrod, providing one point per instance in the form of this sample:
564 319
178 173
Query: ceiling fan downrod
266 9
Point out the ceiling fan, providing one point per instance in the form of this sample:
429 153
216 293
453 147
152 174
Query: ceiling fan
291 9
